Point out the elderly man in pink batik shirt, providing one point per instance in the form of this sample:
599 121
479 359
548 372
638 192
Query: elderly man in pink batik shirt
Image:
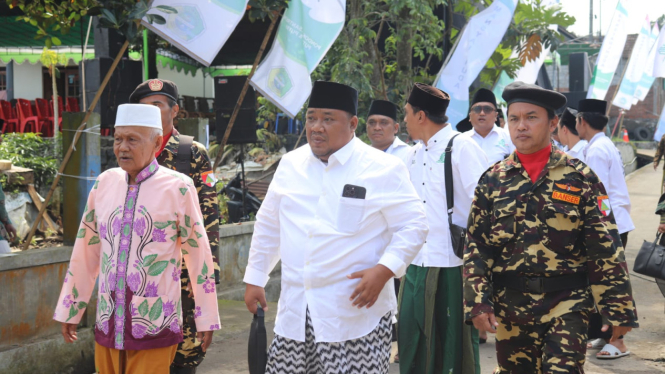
139 223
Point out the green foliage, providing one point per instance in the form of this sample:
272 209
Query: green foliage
34 152
51 16
260 9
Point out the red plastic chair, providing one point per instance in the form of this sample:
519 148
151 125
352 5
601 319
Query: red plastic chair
9 116
62 105
27 118
45 114
73 104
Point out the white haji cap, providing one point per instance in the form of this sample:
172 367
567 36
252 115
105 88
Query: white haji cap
143 115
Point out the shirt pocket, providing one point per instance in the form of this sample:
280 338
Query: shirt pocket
503 224
562 226
151 315
349 214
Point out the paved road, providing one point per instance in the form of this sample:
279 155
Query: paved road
229 353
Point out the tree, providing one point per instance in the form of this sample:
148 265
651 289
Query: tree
415 40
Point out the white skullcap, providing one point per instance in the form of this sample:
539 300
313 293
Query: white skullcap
143 115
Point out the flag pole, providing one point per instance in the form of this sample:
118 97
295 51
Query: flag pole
77 135
236 110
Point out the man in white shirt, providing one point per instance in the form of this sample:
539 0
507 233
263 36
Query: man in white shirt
569 136
382 129
432 335
492 139
605 160
344 220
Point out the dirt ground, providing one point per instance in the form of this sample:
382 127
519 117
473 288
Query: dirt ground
228 354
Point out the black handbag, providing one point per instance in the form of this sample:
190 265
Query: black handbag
257 353
650 260
457 233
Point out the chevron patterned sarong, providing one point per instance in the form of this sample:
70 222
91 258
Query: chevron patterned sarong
369 354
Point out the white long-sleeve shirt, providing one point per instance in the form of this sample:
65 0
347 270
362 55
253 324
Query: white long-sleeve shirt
496 145
605 160
321 237
399 149
426 166
578 150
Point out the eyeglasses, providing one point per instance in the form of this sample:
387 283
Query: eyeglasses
483 108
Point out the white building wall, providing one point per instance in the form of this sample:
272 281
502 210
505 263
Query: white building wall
28 81
195 86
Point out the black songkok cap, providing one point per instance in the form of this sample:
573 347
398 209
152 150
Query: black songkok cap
154 87
430 99
384 108
484 95
569 119
593 106
520 92
464 125
331 95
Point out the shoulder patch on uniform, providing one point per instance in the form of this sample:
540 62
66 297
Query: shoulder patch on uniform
558 195
604 205
208 178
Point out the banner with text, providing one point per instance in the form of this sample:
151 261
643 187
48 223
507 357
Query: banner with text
658 53
306 32
610 54
200 27
645 83
479 40
635 69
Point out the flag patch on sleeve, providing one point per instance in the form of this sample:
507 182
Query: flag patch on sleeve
604 205
208 178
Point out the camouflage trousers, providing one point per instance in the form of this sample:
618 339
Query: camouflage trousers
189 353
555 347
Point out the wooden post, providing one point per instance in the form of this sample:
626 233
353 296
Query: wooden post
77 135
236 110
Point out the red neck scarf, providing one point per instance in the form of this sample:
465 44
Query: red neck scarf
534 163
164 141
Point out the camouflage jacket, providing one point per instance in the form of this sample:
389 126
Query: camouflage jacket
660 209
207 195
549 228
660 151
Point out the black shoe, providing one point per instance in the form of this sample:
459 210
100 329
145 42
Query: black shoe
482 341
183 370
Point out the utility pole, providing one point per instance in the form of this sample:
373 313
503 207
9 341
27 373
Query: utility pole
590 21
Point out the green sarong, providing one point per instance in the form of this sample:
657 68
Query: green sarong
432 337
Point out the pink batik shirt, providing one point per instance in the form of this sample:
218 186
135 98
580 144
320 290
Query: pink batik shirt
135 237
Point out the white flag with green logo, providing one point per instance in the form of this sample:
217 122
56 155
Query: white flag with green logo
659 57
610 54
635 69
645 83
200 27
306 32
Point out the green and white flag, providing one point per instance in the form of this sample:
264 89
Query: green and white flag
659 57
645 83
635 69
307 30
610 54
200 27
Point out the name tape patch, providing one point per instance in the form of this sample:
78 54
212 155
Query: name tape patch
558 195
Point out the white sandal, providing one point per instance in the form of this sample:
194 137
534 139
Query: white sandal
613 351
596 343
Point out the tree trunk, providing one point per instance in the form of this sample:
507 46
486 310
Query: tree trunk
55 102
404 52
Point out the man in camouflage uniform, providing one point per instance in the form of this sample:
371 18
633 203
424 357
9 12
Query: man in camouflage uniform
164 94
543 248
660 152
